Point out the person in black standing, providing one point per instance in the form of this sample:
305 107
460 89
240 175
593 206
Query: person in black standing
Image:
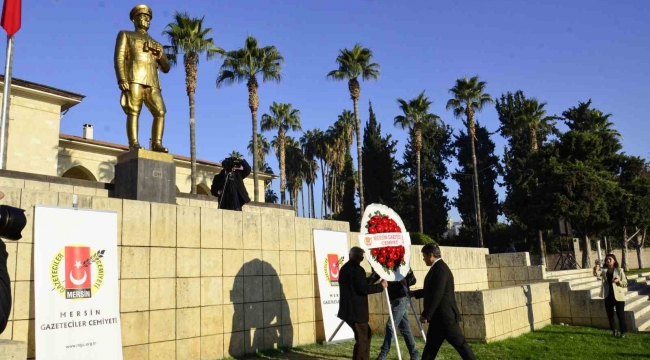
228 185
354 289
439 309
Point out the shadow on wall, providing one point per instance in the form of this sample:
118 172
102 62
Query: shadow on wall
261 318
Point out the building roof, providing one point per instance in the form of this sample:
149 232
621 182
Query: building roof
126 148
76 98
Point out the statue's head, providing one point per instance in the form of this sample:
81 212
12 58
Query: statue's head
141 16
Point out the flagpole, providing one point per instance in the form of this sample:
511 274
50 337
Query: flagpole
5 101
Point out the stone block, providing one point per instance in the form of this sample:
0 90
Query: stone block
12 183
597 308
492 261
111 204
306 310
163 350
491 301
146 176
188 348
135 328
163 262
535 273
271 262
307 333
37 185
13 350
134 262
304 234
253 262
212 347
188 292
254 315
233 344
188 262
23 303
254 341
83 201
233 290
472 303
134 295
270 232
494 274
182 201
197 203
233 262
289 312
8 333
84 190
600 322
579 304
136 224
188 323
211 291
211 262
233 317
137 352
272 338
253 289
252 233
288 264
581 321
211 228
521 273
474 327
306 286
28 199
304 262
163 225
212 320
162 294
188 227
101 193
232 229
507 273
289 286
162 325
272 288
287 232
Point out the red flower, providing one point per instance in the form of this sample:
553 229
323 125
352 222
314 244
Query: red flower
374 252
385 221
380 228
399 229
381 259
390 263
372 230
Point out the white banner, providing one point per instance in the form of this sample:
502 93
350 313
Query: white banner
331 252
75 283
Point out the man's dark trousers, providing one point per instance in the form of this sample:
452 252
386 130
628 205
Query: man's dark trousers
362 337
443 329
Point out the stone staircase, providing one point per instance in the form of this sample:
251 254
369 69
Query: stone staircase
577 293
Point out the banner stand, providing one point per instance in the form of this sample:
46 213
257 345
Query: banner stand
330 342
415 313
390 313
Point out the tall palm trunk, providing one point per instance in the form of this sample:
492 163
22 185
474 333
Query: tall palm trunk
190 84
532 134
639 249
540 236
323 207
283 173
313 207
355 91
624 264
302 196
472 135
418 148
586 254
253 104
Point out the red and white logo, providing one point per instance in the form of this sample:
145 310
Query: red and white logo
333 268
77 272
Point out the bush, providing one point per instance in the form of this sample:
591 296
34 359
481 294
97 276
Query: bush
421 239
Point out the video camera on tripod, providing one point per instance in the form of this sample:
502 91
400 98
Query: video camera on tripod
230 163
12 222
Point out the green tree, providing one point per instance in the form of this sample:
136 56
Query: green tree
247 64
468 98
415 112
354 63
436 153
488 164
189 39
379 163
349 211
263 149
309 147
284 118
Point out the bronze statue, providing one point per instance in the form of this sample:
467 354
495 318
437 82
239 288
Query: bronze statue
137 60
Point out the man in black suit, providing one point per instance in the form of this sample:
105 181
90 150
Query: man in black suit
354 289
439 309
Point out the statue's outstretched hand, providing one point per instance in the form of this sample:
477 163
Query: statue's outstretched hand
124 86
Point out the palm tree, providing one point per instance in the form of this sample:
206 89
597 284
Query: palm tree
308 142
266 168
294 165
469 97
415 112
188 37
283 118
348 125
246 64
263 149
353 63
534 120
270 196
321 153
235 154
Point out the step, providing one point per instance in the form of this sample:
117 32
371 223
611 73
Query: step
582 280
643 322
635 300
564 273
640 309
584 283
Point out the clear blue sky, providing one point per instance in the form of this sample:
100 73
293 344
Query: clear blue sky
559 51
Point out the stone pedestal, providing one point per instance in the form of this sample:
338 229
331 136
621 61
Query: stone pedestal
13 350
146 176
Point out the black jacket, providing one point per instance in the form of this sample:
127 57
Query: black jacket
354 291
395 288
438 293
234 193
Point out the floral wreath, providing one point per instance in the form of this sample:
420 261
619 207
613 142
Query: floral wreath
389 257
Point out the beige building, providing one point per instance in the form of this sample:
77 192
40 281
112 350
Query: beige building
35 144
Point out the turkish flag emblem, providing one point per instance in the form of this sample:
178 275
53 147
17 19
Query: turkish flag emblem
333 267
76 275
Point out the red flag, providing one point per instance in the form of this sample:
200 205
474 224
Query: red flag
11 16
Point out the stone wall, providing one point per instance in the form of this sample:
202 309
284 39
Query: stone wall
512 269
195 281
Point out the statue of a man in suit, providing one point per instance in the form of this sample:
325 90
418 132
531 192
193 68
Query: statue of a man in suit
137 60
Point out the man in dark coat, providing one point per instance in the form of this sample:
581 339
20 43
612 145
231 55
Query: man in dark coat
228 185
354 289
399 303
439 308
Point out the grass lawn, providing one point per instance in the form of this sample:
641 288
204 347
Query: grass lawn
551 342
637 271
